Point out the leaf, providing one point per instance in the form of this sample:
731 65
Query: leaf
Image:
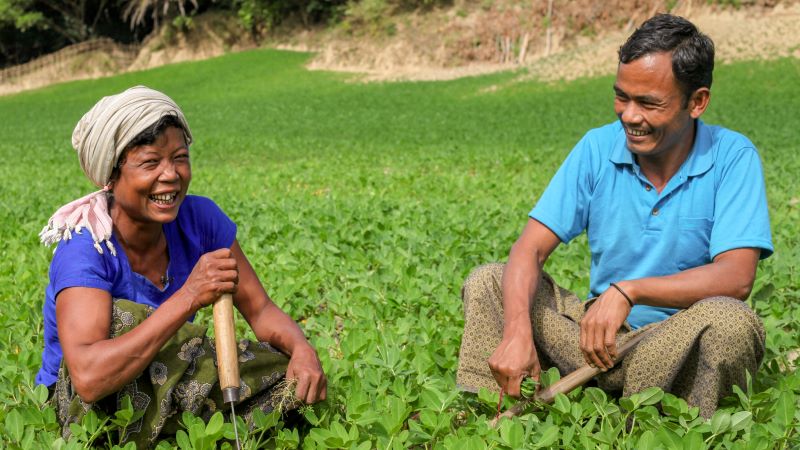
597 396
647 440
488 397
693 440
627 403
41 393
214 426
785 408
668 438
14 425
741 420
549 377
650 396
183 440
720 422
548 438
511 432
561 404
311 416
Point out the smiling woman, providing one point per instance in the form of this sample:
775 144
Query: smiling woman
118 322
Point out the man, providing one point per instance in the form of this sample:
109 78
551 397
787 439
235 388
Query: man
676 217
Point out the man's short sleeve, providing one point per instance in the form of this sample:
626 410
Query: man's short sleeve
564 205
741 218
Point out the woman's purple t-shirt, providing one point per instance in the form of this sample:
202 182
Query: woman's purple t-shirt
200 227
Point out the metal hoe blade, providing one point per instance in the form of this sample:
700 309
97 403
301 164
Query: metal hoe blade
235 430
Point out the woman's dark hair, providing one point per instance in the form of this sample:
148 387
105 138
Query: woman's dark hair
692 51
147 137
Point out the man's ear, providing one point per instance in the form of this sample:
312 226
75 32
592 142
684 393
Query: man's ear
698 102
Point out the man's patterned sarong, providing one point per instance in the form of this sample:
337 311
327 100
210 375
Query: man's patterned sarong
698 354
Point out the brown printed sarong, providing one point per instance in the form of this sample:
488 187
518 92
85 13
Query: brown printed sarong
698 353
182 377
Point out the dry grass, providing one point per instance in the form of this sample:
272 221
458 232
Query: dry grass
467 39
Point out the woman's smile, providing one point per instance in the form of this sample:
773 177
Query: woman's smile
153 180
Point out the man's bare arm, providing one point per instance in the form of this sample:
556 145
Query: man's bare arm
731 274
516 357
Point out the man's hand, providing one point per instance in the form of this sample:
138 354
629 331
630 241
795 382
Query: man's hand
599 328
514 359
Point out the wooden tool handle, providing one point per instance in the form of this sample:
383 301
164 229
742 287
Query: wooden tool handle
583 374
567 384
227 356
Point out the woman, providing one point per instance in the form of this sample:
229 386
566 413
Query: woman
167 254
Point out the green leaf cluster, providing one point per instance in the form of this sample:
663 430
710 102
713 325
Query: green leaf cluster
363 207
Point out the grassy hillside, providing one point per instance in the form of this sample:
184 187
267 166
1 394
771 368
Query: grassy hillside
363 207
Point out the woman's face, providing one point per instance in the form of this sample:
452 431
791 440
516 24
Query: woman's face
154 179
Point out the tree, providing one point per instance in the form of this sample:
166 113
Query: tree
136 10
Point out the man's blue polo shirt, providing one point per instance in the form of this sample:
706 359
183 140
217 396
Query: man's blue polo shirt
715 202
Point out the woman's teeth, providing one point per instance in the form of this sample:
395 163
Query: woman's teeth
163 199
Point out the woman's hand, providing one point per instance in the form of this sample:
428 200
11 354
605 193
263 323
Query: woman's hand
215 273
304 366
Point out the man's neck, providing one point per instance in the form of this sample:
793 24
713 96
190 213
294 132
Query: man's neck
659 169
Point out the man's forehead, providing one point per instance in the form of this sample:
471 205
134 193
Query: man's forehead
652 71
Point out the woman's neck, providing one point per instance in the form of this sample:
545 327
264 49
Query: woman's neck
137 237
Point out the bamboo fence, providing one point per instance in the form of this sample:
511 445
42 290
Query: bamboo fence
124 54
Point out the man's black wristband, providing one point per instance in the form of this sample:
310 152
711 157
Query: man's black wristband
616 286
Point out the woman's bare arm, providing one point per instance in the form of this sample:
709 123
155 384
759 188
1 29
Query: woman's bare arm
272 325
99 365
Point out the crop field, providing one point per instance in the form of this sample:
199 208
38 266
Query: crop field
363 207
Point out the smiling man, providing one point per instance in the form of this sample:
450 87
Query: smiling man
676 216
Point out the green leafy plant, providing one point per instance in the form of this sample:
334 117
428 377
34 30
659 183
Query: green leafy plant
363 207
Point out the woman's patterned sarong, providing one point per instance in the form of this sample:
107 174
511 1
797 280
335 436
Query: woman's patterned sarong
698 354
182 377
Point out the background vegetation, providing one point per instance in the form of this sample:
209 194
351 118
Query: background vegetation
363 207
31 28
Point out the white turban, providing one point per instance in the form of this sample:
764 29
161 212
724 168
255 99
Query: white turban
99 138
102 133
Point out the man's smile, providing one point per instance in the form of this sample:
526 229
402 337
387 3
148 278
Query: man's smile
636 132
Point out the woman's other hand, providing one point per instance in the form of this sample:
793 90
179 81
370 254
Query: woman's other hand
306 369
216 273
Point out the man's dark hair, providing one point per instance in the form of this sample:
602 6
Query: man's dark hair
147 137
692 51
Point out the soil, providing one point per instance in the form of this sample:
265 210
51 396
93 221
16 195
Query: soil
583 42
576 39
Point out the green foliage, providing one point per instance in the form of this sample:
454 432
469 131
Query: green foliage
19 14
363 208
374 17
136 11
261 16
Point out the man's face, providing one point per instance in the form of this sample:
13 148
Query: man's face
650 104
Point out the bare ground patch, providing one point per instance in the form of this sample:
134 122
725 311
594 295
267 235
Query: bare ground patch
548 40
755 32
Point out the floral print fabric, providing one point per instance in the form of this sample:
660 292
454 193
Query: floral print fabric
182 377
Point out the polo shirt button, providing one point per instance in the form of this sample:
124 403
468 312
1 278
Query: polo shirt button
647 187
655 211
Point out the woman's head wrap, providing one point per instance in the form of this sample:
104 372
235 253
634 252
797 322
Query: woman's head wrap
100 138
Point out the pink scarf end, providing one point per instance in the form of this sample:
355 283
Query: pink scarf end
89 212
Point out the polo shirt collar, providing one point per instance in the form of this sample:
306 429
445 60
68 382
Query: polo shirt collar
700 159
